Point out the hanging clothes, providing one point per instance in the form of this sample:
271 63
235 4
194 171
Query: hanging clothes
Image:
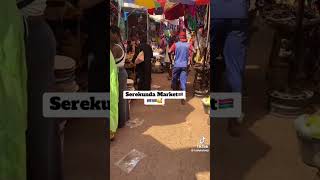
114 94
13 93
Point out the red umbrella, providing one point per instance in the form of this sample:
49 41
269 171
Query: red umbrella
162 2
173 10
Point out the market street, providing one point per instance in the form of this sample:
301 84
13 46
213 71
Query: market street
166 138
268 148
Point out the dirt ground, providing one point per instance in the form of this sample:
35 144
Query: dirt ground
268 148
167 136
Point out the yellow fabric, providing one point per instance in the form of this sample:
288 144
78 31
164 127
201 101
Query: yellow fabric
198 57
146 3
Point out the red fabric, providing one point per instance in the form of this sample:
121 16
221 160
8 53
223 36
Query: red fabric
202 2
174 11
151 11
162 2
191 49
163 43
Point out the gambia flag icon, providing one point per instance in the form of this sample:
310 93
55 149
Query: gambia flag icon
225 103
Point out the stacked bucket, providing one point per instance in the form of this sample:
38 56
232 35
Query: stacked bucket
65 74
64 70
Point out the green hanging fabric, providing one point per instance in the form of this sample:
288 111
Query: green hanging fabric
192 22
13 93
114 94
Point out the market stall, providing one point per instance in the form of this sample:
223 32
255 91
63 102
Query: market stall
163 20
288 95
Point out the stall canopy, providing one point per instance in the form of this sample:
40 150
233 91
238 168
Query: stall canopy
152 4
149 4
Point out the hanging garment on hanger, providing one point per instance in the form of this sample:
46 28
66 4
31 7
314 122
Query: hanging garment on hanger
114 94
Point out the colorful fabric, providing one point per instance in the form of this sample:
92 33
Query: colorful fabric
13 93
191 10
191 22
114 95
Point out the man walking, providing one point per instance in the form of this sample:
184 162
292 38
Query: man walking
182 53
229 38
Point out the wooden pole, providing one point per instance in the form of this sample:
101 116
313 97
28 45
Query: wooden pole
208 33
208 25
298 44
147 27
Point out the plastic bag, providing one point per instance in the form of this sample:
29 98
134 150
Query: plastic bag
308 126
130 161
206 101
135 123
155 87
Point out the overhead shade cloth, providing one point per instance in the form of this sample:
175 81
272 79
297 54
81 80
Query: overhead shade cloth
173 11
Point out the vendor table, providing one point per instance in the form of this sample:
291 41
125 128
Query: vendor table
288 53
